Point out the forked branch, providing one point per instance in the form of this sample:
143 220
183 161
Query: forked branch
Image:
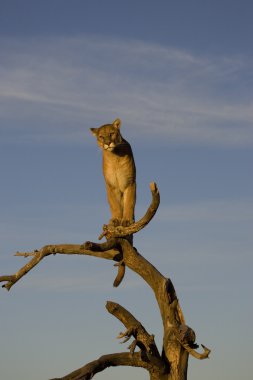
148 357
143 339
71 249
65 249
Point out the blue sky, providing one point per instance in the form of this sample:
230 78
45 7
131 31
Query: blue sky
179 75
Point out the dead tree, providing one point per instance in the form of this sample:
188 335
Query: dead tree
178 339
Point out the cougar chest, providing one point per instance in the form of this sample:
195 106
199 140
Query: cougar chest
116 170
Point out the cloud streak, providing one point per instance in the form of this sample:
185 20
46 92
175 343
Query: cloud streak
52 87
209 211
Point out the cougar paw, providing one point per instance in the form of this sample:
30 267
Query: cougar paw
114 222
126 222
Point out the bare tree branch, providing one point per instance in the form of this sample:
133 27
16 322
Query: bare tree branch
66 249
111 360
144 340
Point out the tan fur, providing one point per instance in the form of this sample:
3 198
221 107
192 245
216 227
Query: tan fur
119 172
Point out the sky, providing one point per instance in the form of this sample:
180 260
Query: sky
179 76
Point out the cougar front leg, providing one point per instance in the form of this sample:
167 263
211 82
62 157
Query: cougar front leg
116 205
129 199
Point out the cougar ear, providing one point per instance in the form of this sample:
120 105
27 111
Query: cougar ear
94 131
117 123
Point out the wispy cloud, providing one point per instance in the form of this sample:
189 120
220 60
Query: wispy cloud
52 87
